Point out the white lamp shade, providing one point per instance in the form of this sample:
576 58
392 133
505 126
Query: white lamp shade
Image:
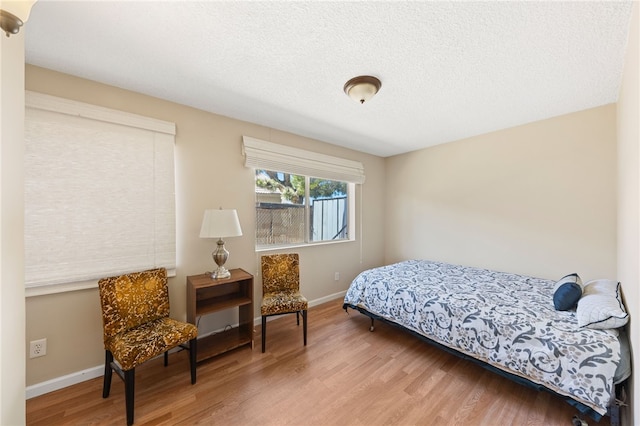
220 223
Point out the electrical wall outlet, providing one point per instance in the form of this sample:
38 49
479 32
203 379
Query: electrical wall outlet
38 348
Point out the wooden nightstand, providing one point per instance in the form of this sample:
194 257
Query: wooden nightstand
206 295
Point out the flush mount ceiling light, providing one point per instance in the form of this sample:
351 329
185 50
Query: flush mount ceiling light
362 88
13 15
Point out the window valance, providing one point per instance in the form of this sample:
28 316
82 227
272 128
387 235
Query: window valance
261 154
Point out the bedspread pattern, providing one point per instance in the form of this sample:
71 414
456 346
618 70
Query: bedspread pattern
505 320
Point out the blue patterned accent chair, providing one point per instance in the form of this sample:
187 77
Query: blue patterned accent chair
281 291
137 327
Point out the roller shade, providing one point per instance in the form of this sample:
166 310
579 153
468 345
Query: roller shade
99 192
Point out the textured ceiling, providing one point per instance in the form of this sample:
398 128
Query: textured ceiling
449 70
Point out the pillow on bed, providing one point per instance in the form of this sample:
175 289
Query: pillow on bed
567 292
601 306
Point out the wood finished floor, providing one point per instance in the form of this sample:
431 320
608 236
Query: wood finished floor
345 375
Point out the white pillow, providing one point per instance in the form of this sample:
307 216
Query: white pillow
600 306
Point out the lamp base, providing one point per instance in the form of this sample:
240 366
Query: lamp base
220 256
220 273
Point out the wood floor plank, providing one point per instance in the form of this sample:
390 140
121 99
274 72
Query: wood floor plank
346 375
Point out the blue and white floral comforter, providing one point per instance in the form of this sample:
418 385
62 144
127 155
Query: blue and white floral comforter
505 320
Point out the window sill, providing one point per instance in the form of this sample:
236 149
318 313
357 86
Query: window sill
43 290
274 247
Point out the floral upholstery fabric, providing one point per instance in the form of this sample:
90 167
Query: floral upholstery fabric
135 317
281 285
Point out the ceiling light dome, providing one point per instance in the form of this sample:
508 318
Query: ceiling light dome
13 15
362 88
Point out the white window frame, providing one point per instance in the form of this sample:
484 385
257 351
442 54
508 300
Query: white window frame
260 154
133 157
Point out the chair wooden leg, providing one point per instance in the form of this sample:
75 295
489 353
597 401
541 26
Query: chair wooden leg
304 326
129 388
108 373
264 333
193 353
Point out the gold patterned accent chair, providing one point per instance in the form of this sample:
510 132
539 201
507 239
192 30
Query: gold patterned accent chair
281 291
137 327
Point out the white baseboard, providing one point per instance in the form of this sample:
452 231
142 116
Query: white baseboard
64 381
91 373
325 299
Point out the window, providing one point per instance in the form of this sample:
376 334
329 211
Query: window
99 194
295 209
302 197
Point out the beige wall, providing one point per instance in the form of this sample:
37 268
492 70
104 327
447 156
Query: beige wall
209 174
629 200
538 199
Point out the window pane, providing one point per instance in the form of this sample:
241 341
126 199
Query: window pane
281 209
328 210
280 214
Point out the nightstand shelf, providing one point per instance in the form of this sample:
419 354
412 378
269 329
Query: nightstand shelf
206 295
208 306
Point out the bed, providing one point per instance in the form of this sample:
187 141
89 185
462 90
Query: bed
507 323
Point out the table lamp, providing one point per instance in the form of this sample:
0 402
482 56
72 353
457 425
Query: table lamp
220 224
